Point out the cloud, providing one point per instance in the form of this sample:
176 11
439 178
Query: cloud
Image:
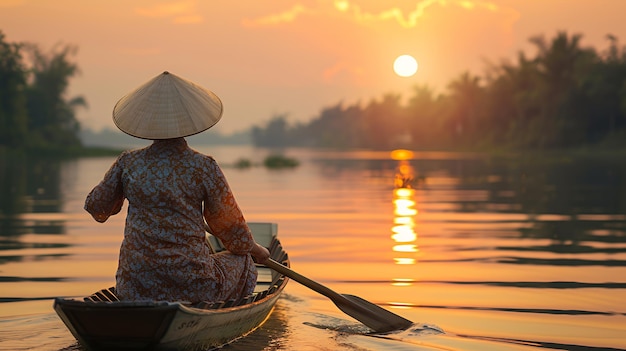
410 19
355 11
286 16
393 13
179 12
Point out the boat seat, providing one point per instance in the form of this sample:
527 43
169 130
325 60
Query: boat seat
104 295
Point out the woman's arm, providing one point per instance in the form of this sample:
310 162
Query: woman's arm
107 198
223 215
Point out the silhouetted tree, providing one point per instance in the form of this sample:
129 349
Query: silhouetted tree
424 122
464 107
274 134
383 121
13 117
52 120
606 93
561 64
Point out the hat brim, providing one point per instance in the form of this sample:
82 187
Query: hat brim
167 107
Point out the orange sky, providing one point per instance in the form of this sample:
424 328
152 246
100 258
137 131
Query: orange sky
268 57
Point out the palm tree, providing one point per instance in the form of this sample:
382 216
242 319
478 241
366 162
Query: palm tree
423 123
561 63
465 100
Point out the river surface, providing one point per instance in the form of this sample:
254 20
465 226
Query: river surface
481 253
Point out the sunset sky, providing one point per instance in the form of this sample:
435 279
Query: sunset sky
269 57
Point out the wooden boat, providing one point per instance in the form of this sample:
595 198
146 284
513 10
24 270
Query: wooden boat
102 322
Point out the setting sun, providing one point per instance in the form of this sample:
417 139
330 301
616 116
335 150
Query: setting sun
405 65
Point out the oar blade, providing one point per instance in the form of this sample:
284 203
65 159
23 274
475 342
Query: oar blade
373 316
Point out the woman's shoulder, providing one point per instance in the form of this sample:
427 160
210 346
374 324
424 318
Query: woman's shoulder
131 153
204 162
131 156
199 156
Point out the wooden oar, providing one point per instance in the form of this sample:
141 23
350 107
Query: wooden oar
373 316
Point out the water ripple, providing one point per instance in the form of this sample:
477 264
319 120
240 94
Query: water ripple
570 312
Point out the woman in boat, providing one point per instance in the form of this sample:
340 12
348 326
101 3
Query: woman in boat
171 191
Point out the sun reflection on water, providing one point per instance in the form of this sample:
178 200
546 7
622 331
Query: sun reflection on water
404 225
403 229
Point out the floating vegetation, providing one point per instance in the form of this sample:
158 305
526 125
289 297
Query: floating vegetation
243 163
272 161
279 161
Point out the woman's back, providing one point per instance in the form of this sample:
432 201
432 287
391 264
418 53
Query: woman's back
172 190
164 255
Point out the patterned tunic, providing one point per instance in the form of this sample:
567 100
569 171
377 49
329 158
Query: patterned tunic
164 255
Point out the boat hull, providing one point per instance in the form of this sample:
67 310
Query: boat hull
159 326
102 322
194 330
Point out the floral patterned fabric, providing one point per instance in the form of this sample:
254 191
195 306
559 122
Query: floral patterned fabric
164 255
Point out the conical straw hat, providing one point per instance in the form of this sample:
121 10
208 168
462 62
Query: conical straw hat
167 107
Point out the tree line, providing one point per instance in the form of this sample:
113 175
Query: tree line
35 113
564 96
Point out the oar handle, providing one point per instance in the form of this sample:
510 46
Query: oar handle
286 271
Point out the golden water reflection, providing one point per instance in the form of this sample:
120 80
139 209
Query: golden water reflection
405 212
403 230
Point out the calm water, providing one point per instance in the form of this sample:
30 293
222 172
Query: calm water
482 254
